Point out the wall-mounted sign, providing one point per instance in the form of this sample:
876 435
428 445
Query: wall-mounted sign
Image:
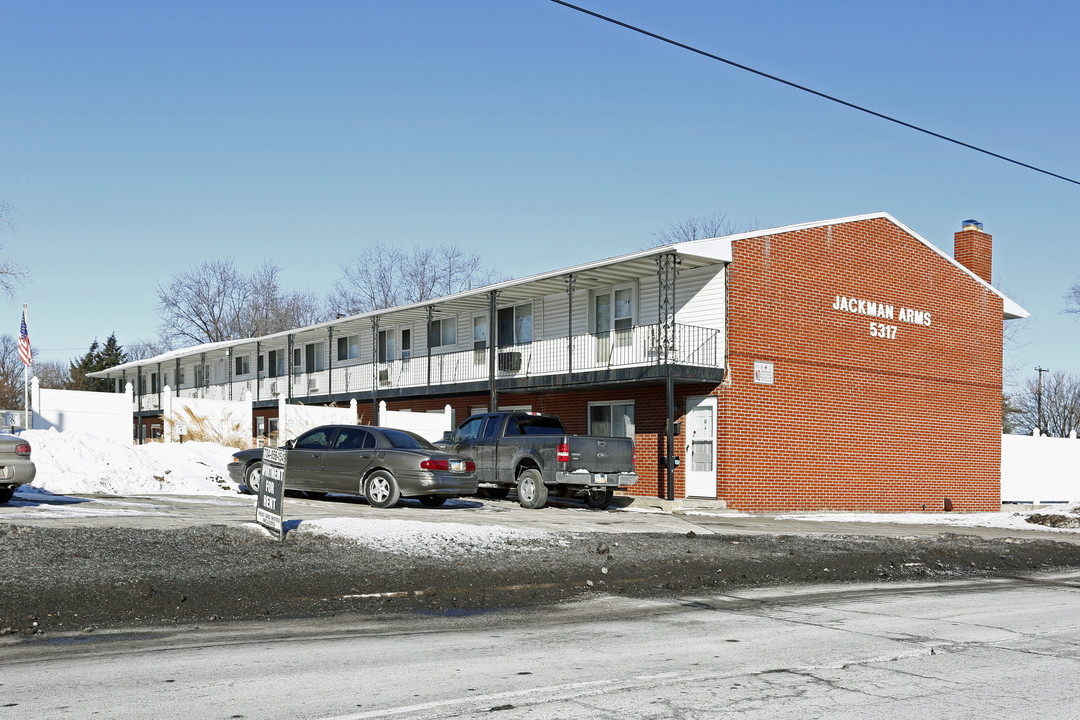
269 510
763 372
883 311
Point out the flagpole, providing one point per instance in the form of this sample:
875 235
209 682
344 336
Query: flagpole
26 383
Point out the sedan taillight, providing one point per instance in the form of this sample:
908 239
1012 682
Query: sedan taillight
470 466
23 449
435 464
562 454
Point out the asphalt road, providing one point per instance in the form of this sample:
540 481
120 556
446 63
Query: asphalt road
1000 649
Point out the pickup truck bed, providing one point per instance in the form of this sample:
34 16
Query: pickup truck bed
533 453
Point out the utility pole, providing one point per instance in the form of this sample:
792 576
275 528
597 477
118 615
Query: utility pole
1040 370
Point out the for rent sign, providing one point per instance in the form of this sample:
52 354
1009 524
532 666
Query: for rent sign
269 510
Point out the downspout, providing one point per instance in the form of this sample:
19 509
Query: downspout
159 384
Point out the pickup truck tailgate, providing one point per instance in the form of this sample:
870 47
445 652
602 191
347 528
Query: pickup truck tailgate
600 455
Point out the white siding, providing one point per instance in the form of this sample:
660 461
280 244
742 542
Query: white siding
699 296
556 316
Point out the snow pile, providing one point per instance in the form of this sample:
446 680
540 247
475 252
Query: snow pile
1019 520
81 464
433 539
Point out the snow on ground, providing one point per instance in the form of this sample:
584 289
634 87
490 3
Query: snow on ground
80 464
433 539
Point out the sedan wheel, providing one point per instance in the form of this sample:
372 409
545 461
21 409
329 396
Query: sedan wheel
253 478
532 493
382 490
5 494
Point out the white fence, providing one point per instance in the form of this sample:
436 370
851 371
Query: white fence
226 422
296 419
428 425
1039 469
106 415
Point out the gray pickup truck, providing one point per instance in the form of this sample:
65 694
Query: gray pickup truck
533 453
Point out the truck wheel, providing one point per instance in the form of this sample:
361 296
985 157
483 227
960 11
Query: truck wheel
599 499
5 494
531 491
497 493
382 490
253 478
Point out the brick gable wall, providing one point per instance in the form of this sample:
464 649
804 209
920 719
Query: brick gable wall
854 421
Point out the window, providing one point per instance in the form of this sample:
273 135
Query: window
442 332
406 344
202 375
406 440
354 439
243 364
386 346
613 309
154 387
614 419
276 360
348 347
318 439
515 325
470 430
314 357
297 360
259 362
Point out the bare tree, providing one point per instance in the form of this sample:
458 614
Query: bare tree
1060 404
11 373
698 228
53 374
1072 298
215 301
381 277
12 274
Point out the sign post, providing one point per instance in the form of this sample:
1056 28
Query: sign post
269 511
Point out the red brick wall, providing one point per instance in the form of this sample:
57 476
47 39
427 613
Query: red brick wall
852 421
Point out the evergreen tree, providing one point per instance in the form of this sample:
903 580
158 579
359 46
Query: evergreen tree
96 358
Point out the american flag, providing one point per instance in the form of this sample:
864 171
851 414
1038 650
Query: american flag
25 354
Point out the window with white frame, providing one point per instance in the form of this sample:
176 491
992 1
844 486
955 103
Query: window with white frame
443 332
276 360
202 375
406 343
348 347
613 309
612 419
515 325
314 357
243 364
387 343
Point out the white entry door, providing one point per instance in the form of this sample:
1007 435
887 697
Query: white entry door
700 458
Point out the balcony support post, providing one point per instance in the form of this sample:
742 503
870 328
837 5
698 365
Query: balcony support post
493 392
427 336
571 280
375 370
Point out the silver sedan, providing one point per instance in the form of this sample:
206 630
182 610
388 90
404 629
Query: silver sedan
15 466
382 464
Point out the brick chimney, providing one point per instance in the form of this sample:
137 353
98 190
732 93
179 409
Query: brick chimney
973 249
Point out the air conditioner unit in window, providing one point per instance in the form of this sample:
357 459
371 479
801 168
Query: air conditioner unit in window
274 389
510 361
384 377
312 385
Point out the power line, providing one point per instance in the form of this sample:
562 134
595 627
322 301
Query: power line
826 96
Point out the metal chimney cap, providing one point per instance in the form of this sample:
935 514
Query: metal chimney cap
972 224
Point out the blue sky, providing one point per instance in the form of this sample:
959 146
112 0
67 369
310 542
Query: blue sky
139 139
